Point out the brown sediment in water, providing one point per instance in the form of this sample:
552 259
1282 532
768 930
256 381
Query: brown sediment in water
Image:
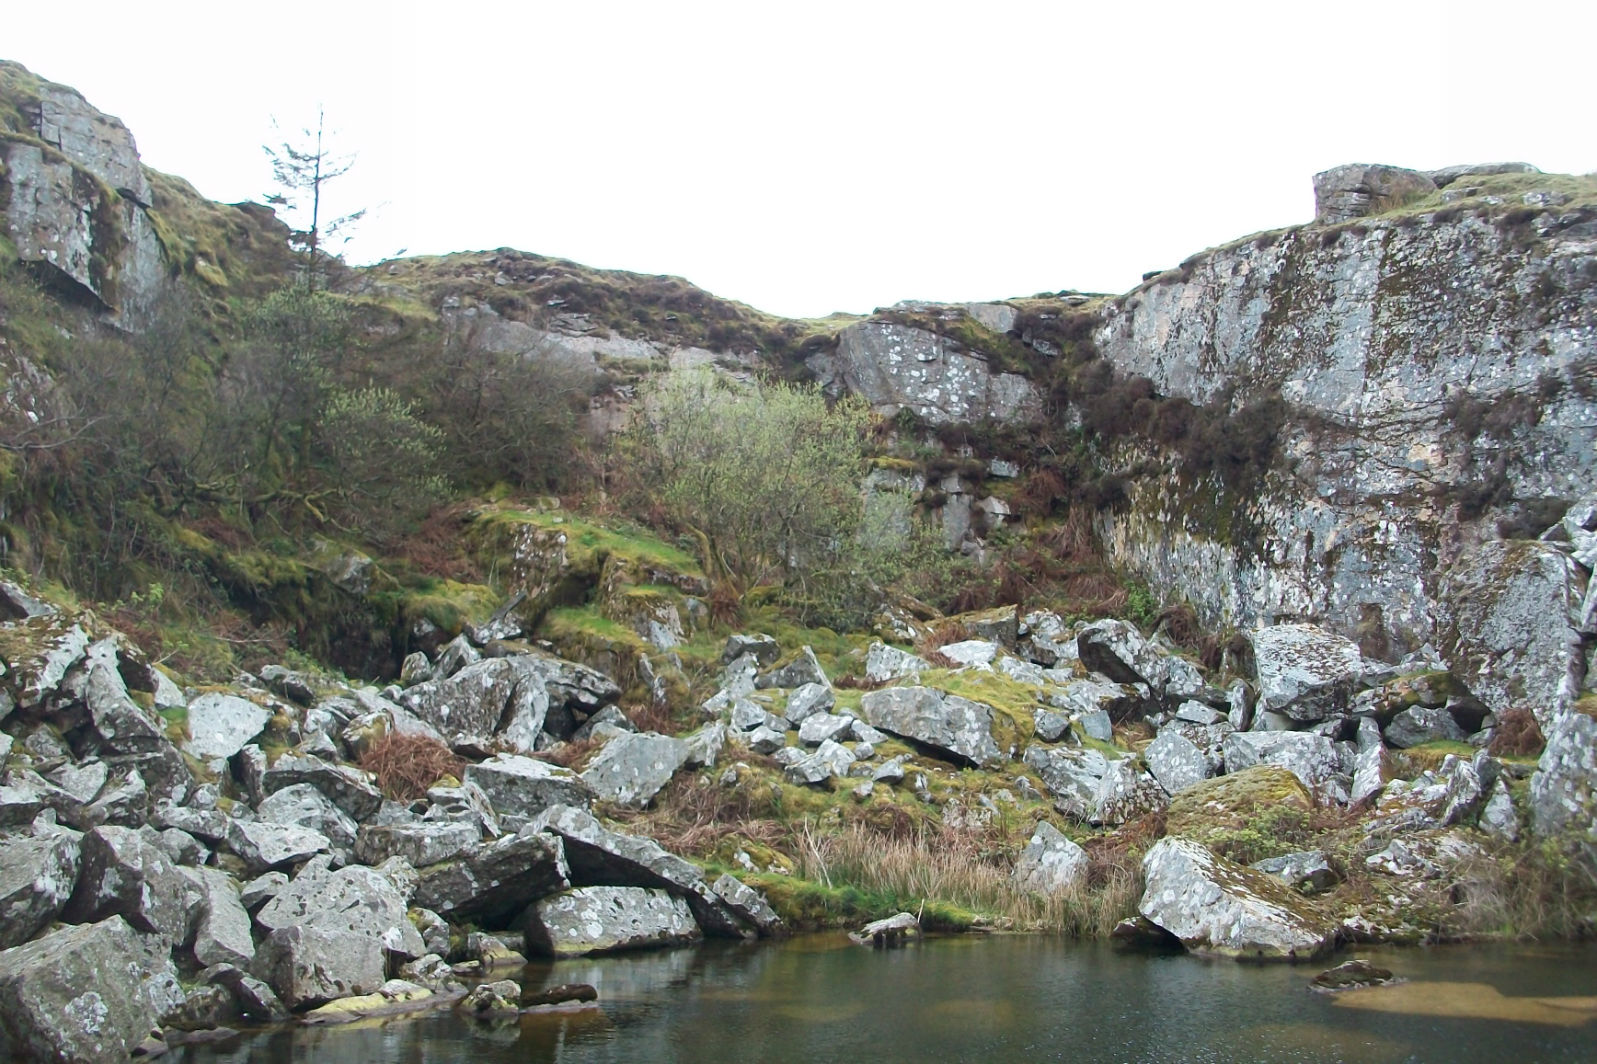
1470 1001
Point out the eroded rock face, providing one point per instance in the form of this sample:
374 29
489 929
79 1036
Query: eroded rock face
264 846
884 663
1373 355
1117 650
491 882
749 904
125 874
1215 906
525 786
88 993
421 844
486 697
1176 762
221 925
598 856
307 966
355 899
900 367
1311 758
344 785
607 920
36 879
830 759
220 725
303 806
953 725
75 205
1563 792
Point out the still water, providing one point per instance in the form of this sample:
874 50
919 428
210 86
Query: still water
990 999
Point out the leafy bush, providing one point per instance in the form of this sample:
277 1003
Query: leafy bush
766 478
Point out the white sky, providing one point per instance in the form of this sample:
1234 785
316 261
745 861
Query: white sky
826 156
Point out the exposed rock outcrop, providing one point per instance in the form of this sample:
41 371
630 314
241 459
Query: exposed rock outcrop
941 380
1378 372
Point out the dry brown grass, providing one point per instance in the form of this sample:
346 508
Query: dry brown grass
435 548
569 754
695 813
406 765
970 869
651 716
1521 892
941 634
1518 734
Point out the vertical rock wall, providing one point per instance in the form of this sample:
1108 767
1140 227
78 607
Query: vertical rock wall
1439 378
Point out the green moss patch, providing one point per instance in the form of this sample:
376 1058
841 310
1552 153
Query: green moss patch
1260 812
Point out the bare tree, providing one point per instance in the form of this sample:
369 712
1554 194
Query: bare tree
301 168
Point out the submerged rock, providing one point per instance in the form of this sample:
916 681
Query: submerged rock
565 993
1350 975
887 933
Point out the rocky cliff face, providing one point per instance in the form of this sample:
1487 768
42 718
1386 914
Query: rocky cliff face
74 196
938 378
1438 377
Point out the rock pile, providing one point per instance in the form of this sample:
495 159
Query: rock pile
215 857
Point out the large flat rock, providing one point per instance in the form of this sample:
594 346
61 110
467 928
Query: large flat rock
607 920
1215 906
953 726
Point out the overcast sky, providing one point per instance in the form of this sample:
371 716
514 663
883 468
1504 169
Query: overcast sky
822 156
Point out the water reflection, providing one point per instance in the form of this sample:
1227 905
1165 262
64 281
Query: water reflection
997 999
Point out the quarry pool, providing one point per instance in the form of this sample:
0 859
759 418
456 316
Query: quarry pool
998 998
